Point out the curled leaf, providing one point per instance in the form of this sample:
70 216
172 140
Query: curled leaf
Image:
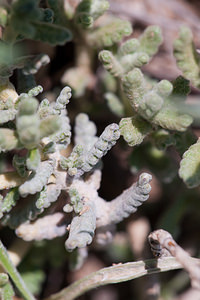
134 130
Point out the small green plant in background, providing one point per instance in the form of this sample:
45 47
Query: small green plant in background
49 181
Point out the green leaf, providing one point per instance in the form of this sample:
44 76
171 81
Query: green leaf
51 33
190 166
33 159
134 130
3 279
181 87
187 58
110 34
114 104
19 163
49 125
88 11
150 40
10 200
7 292
183 140
8 139
170 118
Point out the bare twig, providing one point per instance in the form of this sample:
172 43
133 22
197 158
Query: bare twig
116 274
161 239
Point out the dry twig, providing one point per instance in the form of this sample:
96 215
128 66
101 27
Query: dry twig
161 240
116 274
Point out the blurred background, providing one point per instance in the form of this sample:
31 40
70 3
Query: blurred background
47 267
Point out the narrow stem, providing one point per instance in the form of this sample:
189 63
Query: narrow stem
116 274
83 55
13 273
17 251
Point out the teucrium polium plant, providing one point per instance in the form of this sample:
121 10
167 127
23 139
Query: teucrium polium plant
51 186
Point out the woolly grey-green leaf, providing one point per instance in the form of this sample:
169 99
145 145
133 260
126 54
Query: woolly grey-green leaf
38 179
63 98
181 88
20 214
85 131
186 56
170 118
8 95
152 104
33 159
145 102
59 13
45 109
35 91
111 63
51 33
75 200
28 130
3 279
27 19
82 228
163 88
7 292
134 130
63 136
49 126
7 115
48 195
74 161
89 10
8 140
129 47
42 198
114 104
27 106
190 166
110 34
10 200
104 143
128 202
19 163
184 140
28 122
49 148
150 40
135 60
35 64
134 87
48 15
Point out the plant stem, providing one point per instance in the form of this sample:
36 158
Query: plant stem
13 273
116 274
